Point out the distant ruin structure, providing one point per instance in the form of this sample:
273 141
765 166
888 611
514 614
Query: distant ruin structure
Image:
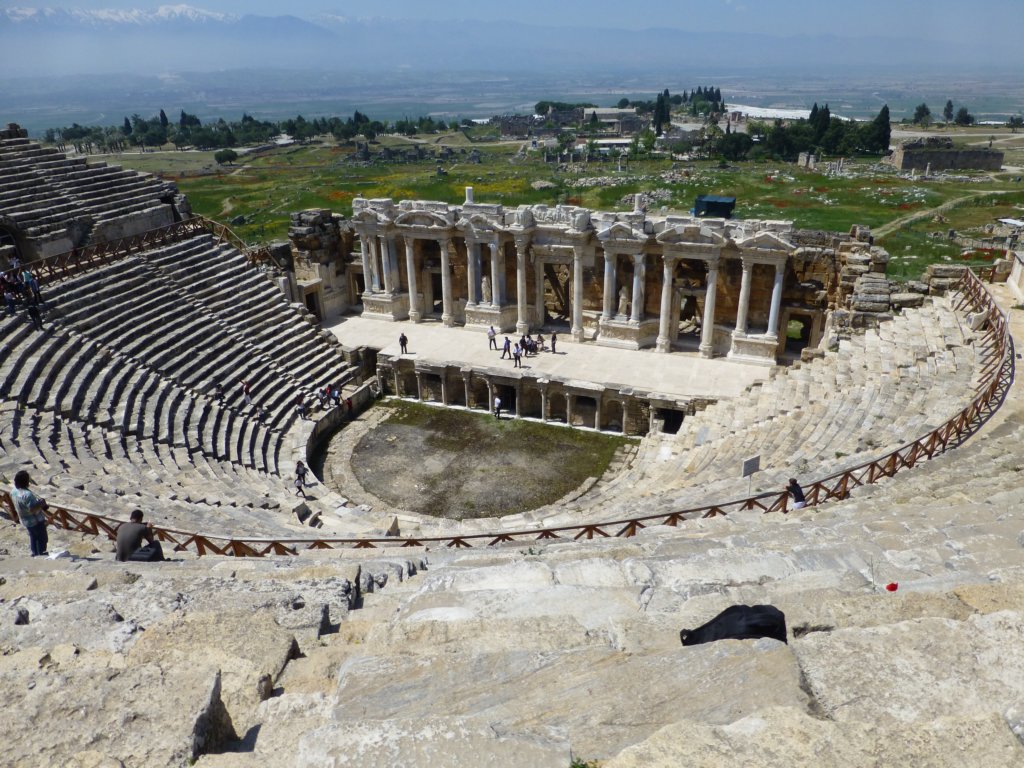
937 153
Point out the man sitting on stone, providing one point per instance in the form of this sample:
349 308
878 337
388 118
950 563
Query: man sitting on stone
129 541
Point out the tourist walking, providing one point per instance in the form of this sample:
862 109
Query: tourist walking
300 407
300 472
507 348
554 340
30 510
794 489
497 407
492 339
403 342
299 489
517 354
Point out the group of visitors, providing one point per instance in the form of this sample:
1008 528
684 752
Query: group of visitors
527 346
20 287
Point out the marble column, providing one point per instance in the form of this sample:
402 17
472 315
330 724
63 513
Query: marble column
444 388
467 377
364 242
497 276
744 307
597 413
419 386
472 273
410 270
386 268
543 403
447 316
522 324
570 401
664 343
538 281
577 293
639 275
707 328
773 313
609 286
375 263
519 399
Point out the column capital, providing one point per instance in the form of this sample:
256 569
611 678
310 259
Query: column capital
713 262
670 259
639 258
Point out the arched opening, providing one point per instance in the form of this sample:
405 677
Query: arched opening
530 403
668 420
798 333
430 387
612 416
478 393
584 412
507 393
455 388
556 407
407 385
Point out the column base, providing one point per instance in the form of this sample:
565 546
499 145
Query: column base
415 316
707 351
663 344
448 321
522 328
577 334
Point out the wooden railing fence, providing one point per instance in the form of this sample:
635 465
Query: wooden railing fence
997 369
80 260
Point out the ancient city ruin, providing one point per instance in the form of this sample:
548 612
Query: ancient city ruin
165 373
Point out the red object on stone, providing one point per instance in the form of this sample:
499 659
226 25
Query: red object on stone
892 586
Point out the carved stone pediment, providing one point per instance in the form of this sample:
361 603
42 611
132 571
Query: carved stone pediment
479 227
422 220
692 234
766 241
620 232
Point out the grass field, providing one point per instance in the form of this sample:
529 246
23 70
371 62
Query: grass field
266 188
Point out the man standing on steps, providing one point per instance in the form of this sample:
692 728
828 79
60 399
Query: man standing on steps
129 541
492 339
403 342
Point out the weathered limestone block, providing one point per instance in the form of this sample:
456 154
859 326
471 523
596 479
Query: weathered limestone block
453 742
246 646
151 714
593 693
905 300
917 670
786 737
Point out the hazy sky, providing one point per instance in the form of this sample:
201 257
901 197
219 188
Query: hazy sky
968 22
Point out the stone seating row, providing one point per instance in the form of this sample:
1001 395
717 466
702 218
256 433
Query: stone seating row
106 471
70 187
127 364
86 382
516 633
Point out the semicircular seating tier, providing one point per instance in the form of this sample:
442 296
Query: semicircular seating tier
113 405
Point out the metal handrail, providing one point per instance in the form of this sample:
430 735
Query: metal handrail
996 380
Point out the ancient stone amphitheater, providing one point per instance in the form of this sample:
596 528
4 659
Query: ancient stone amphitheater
301 635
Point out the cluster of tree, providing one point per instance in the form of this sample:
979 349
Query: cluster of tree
820 133
220 134
543 107
923 115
